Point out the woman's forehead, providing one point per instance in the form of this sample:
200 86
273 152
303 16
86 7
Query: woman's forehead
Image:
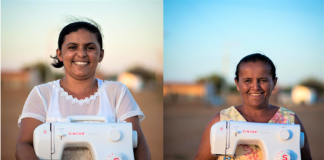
80 36
254 69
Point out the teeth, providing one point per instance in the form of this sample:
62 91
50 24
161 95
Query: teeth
255 94
81 63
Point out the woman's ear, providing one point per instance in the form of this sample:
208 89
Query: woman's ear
59 55
275 83
237 85
102 53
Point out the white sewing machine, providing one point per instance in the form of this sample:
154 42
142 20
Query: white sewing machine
276 141
106 141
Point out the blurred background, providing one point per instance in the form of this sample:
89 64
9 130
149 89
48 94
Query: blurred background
133 43
205 40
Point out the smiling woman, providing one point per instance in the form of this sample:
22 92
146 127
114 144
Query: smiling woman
80 54
255 80
78 93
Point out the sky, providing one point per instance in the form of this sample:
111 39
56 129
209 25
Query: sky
186 39
132 30
206 37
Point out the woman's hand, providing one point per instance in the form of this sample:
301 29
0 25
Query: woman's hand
204 151
24 147
142 151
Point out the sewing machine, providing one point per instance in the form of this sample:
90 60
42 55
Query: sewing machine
276 141
106 141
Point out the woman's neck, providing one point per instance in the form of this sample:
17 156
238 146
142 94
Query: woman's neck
255 110
79 89
257 114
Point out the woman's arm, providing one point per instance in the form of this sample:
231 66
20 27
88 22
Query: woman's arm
24 147
305 152
142 151
204 150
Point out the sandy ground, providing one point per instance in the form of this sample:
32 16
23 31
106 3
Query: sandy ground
151 103
184 122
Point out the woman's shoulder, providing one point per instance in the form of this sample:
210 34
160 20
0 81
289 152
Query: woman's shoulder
108 83
113 87
283 115
47 87
286 112
227 112
231 113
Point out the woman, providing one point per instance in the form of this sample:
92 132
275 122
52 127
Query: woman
78 93
255 80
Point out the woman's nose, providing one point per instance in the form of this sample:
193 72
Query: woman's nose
256 85
82 53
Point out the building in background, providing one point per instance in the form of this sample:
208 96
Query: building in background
132 81
184 89
303 95
20 79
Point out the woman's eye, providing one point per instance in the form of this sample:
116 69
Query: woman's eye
90 48
72 47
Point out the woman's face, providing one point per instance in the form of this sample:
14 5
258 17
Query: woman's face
80 54
255 84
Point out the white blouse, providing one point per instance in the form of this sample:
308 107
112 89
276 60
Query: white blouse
50 103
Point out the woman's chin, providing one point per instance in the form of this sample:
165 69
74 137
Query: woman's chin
257 104
81 76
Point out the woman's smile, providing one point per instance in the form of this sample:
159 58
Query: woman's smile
80 54
255 84
80 63
255 94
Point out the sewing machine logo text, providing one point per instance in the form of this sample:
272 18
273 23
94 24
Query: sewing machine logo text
284 157
76 133
249 131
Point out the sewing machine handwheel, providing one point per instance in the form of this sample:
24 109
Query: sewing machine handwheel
302 139
134 139
284 135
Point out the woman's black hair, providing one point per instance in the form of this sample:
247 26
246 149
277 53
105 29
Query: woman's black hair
73 27
254 58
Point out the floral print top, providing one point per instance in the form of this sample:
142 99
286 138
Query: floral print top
252 152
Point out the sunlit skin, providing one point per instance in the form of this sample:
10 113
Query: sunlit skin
80 54
255 85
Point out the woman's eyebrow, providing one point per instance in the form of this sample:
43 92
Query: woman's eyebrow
71 43
89 43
